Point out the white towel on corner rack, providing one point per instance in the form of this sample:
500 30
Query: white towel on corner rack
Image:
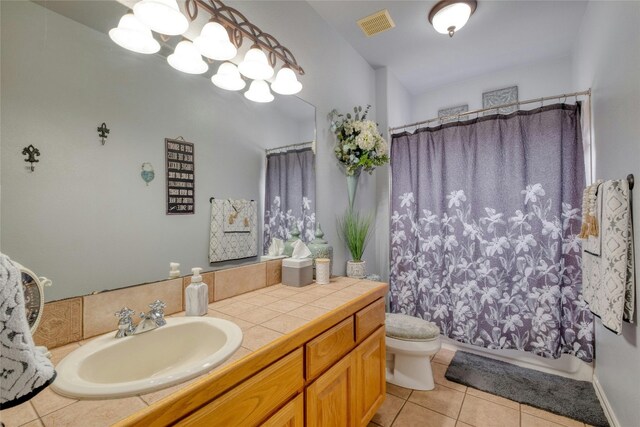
608 259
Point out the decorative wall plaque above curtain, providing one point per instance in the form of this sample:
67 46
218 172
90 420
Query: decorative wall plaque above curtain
180 177
234 229
503 96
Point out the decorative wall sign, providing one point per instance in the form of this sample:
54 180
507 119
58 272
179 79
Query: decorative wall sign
494 98
452 111
234 229
180 177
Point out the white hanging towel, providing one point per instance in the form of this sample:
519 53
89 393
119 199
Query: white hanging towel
24 370
608 260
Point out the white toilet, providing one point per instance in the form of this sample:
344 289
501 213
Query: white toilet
410 341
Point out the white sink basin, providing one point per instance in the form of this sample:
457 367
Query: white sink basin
182 349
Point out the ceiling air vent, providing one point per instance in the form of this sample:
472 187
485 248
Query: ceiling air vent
376 23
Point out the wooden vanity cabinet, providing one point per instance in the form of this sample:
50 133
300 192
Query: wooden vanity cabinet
329 373
352 390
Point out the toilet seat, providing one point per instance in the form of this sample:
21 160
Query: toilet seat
409 342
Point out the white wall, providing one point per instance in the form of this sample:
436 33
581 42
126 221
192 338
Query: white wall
607 59
106 240
394 108
545 78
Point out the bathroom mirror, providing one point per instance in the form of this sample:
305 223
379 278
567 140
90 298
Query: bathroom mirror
85 217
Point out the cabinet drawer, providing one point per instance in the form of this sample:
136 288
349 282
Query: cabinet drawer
329 347
290 415
252 401
369 319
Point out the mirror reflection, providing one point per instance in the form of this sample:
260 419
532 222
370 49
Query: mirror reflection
92 216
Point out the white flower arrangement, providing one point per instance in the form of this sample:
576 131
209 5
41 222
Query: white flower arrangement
360 144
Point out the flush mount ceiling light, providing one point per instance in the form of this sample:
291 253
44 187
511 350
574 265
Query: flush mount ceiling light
255 65
187 59
259 92
228 77
162 16
286 82
133 35
214 42
449 16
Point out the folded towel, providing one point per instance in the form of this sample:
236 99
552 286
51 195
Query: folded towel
24 369
608 260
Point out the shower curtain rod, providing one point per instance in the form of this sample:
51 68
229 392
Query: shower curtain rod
284 149
468 113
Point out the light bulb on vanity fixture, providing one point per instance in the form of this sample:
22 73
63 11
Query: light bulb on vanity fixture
213 42
228 77
133 35
162 16
449 16
286 82
259 92
255 65
187 59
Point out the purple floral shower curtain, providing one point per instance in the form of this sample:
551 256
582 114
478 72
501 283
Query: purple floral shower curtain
485 217
290 195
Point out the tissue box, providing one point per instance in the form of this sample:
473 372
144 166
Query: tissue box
297 272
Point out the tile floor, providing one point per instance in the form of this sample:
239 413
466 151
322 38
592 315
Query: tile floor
454 405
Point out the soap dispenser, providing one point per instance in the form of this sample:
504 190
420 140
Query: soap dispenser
196 295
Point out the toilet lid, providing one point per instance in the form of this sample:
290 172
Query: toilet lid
403 327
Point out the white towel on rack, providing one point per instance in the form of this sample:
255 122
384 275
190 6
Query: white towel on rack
608 261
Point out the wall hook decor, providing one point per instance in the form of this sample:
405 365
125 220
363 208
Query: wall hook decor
103 131
31 152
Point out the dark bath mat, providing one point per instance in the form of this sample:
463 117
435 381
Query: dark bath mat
563 396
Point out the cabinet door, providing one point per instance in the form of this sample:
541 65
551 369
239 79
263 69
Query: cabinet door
331 399
371 383
290 415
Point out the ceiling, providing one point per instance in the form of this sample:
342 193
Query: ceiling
500 34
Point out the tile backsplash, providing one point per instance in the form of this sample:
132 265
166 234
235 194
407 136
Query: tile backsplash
99 309
236 281
61 323
79 318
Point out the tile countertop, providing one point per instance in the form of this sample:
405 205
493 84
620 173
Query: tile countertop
263 315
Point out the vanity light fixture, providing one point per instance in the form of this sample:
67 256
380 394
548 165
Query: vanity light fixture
255 65
133 35
286 82
187 59
219 40
228 77
449 16
259 92
213 42
162 16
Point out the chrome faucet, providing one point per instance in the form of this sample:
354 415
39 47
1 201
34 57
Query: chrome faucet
148 321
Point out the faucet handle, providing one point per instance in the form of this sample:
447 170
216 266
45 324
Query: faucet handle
124 314
158 305
157 312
